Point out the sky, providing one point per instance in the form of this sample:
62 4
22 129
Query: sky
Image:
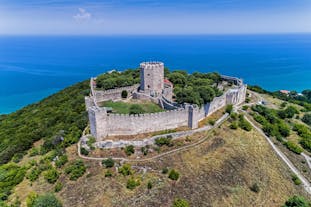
110 17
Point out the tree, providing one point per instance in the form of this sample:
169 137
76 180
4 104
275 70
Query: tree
206 93
51 175
129 149
108 163
178 202
296 201
124 94
307 119
125 170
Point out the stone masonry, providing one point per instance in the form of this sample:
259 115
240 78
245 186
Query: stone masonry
103 124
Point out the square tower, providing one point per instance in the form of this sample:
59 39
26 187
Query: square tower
152 78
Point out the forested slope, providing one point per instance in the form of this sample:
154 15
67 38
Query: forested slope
58 117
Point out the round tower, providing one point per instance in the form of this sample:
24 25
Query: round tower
152 77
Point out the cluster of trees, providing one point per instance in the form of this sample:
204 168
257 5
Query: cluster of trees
305 133
76 169
10 175
118 79
307 119
58 120
271 122
45 200
196 88
239 121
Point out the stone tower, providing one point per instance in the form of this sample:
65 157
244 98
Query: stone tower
152 77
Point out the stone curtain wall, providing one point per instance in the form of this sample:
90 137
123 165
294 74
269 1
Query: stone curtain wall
123 124
114 94
103 124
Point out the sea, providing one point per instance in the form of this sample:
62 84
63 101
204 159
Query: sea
34 67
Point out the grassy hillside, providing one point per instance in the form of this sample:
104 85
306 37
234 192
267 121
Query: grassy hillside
61 115
220 172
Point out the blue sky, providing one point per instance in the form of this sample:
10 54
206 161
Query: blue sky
154 17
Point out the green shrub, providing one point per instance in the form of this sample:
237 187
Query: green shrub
255 188
229 108
31 197
58 187
132 183
108 173
63 159
165 170
212 122
149 185
33 174
234 116
145 150
51 175
296 180
129 150
108 163
307 119
283 129
33 152
234 125
245 108
46 200
163 141
173 175
124 94
125 170
296 201
293 147
83 151
244 124
178 202
76 169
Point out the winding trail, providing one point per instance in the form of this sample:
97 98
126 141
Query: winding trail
305 182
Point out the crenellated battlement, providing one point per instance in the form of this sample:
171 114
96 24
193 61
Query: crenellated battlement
103 124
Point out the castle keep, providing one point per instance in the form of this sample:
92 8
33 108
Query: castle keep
153 87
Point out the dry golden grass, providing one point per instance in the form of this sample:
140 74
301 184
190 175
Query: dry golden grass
218 172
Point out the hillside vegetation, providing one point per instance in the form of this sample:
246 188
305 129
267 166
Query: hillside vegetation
60 117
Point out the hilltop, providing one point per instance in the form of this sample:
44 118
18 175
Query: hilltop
233 164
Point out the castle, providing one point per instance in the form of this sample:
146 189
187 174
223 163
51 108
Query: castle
153 87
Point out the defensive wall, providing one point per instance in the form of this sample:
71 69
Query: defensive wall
103 124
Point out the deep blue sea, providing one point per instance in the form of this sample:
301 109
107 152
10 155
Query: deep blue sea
33 67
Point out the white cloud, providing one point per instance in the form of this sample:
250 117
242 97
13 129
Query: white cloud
83 15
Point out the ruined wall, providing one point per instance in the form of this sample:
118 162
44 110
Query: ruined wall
114 94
